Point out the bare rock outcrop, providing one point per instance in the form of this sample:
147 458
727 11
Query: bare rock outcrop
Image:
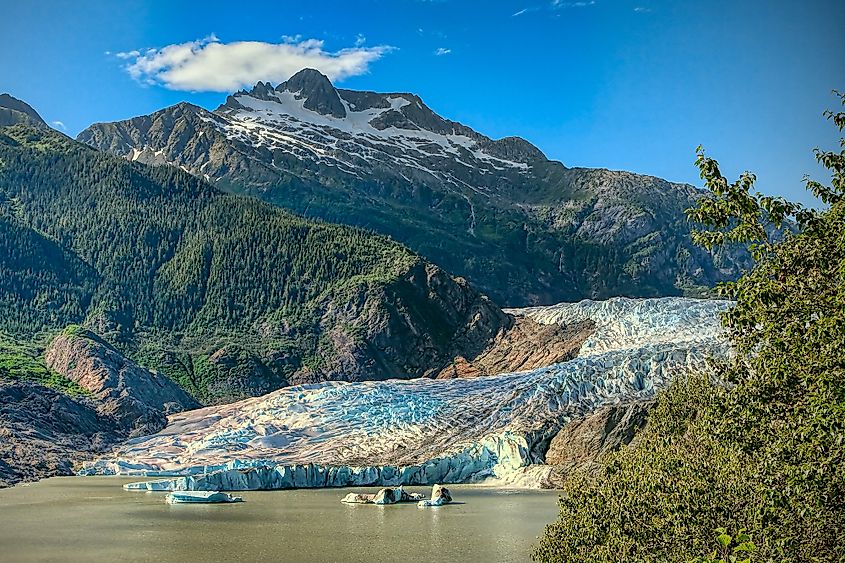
45 433
583 442
412 327
586 440
524 345
138 400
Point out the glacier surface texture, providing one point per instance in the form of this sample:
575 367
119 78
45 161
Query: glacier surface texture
424 431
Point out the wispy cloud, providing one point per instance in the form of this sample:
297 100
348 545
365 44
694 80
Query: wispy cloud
642 9
560 4
210 65
442 51
555 5
58 125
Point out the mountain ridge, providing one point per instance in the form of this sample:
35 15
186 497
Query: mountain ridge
13 110
522 228
228 295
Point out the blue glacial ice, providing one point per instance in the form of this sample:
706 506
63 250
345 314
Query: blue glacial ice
422 432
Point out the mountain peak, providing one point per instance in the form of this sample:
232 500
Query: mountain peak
317 89
8 102
309 76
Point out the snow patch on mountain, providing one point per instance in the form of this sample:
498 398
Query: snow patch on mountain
424 431
280 121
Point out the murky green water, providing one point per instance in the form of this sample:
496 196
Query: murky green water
93 519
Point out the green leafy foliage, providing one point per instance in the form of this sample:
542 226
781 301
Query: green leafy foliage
22 362
759 444
729 549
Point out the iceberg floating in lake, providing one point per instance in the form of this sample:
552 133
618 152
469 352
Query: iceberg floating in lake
387 495
440 495
201 497
423 431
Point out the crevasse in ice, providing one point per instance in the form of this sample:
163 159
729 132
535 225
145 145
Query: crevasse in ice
422 431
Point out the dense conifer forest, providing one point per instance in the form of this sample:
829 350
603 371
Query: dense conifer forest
151 255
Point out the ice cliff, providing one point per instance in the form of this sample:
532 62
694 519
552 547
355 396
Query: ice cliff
427 431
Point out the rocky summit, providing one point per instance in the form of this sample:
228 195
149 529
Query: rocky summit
14 111
446 430
522 228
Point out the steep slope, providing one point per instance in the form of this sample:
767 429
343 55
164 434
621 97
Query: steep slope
227 295
13 111
520 227
53 419
137 399
425 431
44 433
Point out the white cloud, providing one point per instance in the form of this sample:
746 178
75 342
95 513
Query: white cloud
642 9
582 4
211 65
127 54
59 125
555 5
442 51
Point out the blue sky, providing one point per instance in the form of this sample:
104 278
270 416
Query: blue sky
632 85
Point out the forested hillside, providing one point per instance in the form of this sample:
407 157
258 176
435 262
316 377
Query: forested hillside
522 228
228 295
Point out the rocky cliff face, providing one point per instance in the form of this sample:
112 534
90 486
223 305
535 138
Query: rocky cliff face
412 327
14 111
228 296
45 433
520 227
583 442
136 399
523 346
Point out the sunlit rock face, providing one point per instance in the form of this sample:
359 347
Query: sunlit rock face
427 431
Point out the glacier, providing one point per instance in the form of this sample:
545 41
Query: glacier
425 431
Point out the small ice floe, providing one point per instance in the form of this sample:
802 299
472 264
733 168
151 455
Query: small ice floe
201 497
440 495
388 495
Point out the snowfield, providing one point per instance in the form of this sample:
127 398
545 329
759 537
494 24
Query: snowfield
426 431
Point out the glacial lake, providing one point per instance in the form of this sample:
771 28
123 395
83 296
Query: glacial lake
94 519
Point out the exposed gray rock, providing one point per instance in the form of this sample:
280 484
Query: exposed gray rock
44 433
586 440
413 327
522 228
583 442
524 345
138 400
315 87
11 108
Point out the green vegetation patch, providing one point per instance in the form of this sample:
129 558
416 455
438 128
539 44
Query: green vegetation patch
21 362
